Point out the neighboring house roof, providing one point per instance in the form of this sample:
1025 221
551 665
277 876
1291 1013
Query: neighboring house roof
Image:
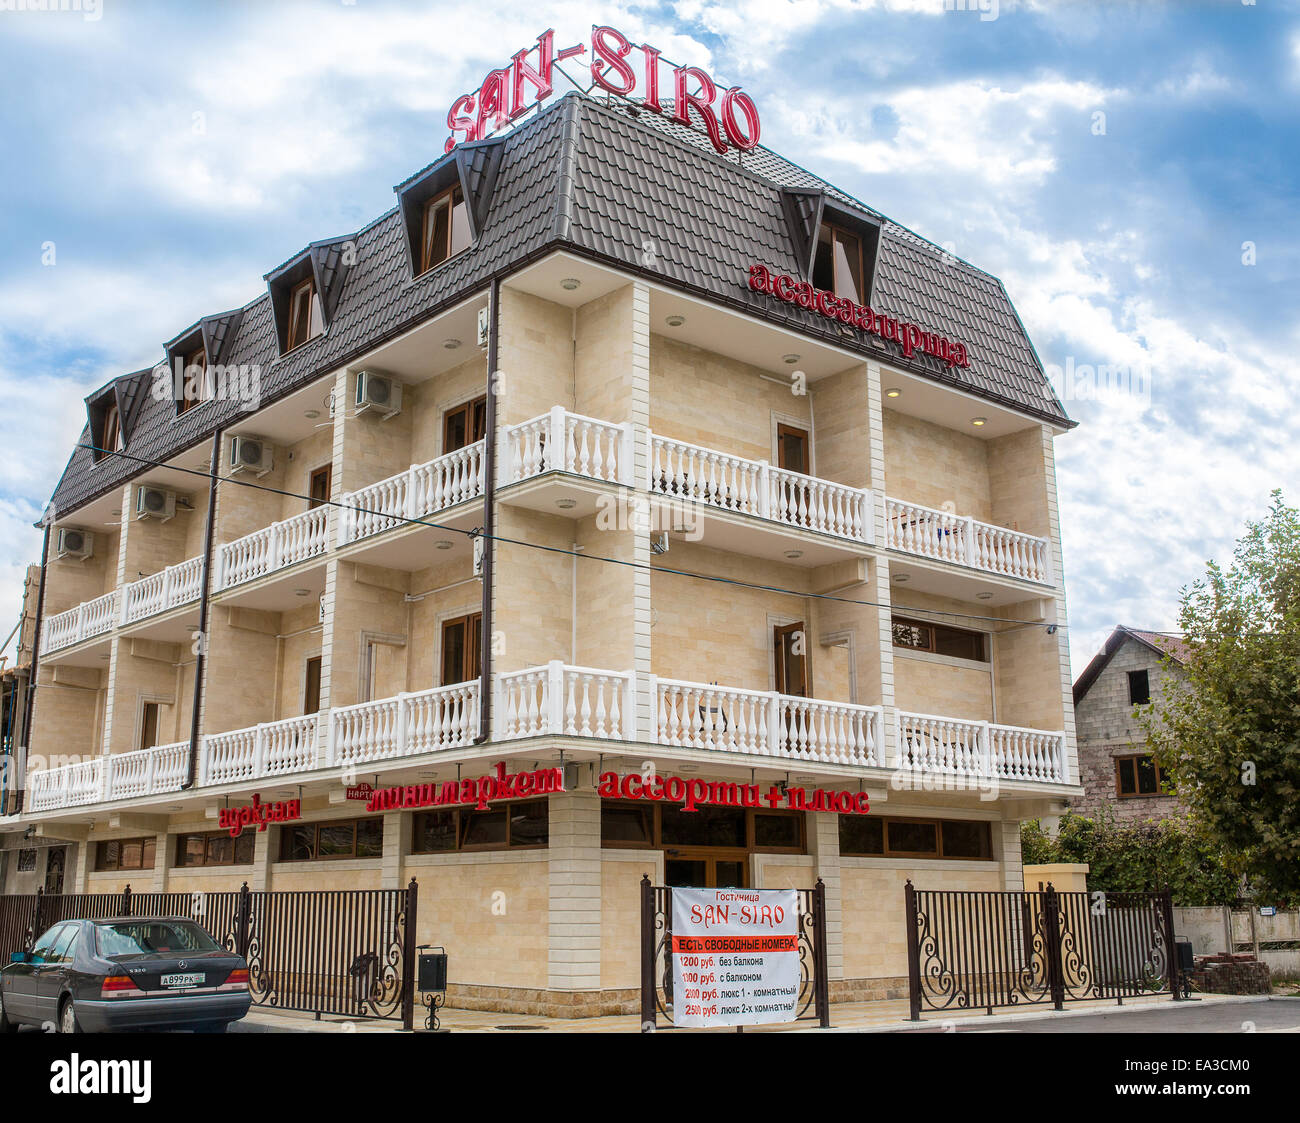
601 180
1162 643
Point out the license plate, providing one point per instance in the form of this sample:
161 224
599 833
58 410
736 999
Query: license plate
181 980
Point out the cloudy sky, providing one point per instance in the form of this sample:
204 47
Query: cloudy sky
1128 169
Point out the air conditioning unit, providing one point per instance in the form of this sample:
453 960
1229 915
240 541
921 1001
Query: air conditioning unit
75 543
378 392
251 454
154 503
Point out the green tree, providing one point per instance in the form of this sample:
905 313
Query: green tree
1227 737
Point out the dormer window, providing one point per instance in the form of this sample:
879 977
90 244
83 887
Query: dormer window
195 387
305 320
838 266
446 228
110 437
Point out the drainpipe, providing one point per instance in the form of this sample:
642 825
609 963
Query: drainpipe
489 520
192 763
31 675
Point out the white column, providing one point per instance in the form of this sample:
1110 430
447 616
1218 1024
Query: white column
640 421
824 845
574 955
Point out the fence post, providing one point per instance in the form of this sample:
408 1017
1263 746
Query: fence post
36 920
1052 935
1166 905
913 954
241 923
126 900
408 957
822 985
647 955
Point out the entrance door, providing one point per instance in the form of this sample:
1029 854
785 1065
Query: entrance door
54 866
789 649
696 869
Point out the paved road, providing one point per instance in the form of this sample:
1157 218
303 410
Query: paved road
1275 1015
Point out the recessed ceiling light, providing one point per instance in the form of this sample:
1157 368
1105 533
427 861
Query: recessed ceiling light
979 421
302 592
566 504
901 578
311 414
570 283
792 554
790 360
442 544
893 392
451 344
674 321
984 596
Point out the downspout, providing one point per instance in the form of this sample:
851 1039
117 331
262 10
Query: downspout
31 674
192 763
489 520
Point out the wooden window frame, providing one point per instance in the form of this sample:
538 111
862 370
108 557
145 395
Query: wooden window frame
148 843
109 438
430 207
144 722
799 627
930 628
834 229
785 429
291 342
190 360
656 827
319 660
938 855
467 408
459 813
325 473
1137 793
286 833
473 622
207 837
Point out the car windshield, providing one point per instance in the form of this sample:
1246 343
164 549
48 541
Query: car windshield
152 937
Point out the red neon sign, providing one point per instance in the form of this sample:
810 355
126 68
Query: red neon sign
258 814
503 95
695 793
909 337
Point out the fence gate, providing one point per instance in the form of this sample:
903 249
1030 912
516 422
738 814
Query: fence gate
978 950
344 952
657 961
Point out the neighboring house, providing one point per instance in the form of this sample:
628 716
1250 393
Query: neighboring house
1123 677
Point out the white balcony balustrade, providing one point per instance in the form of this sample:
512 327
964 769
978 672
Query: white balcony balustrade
927 743
753 487
87 620
948 537
272 548
421 490
560 441
446 717
270 749
105 778
566 701
173 587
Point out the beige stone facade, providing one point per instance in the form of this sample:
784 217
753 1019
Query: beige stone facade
604 645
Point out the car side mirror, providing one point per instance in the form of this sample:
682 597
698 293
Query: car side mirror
20 957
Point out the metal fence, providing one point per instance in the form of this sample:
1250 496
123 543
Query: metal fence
657 960
980 950
344 952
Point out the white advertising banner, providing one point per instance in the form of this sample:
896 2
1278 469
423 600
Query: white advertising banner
735 956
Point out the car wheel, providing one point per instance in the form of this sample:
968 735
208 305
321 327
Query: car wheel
68 1018
6 1026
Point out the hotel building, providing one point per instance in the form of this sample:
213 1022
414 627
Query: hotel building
587 455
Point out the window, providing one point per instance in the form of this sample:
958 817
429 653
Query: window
792 449
148 725
26 861
461 646
1139 688
125 854
44 948
349 838
626 823
513 826
939 639
870 836
789 646
108 439
1137 777
195 387
311 686
319 488
305 319
464 425
837 267
446 228
64 946
215 849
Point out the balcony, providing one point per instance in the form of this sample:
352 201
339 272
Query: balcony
170 588
558 700
93 618
273 548
977 551
747 506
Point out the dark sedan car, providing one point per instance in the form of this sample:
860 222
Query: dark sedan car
126 973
